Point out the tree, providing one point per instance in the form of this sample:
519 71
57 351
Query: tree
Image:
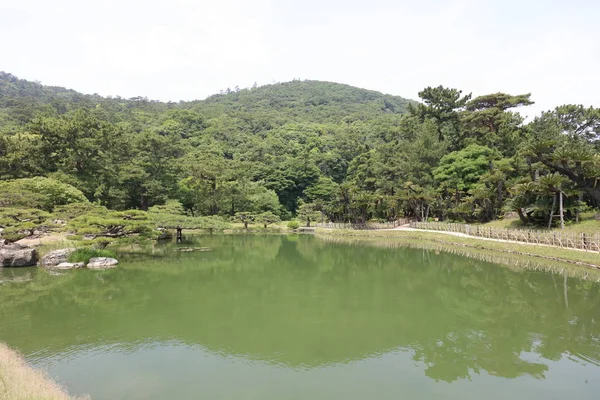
267 218
38 192
488 122
564 141
443 106
552 185
308 213
18 223
461 170
245 218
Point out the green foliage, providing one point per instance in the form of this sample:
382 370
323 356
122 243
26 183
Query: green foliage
347 154
18 223
172 221
293 225
83 254
462 169
244 217
267 218
38 192
170 207
307 213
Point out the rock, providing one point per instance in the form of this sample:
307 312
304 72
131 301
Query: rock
102 263
16 255
55 257
68 265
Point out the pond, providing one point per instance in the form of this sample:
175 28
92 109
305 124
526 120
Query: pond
298 317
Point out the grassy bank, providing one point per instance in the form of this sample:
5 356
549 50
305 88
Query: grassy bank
587 262
19 381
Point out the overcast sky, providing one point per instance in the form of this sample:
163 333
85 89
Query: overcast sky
189 49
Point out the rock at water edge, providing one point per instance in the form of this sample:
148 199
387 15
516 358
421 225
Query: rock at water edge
102 263
56 257
16 255
68 265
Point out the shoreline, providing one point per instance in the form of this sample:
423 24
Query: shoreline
580 263
21 381
588 260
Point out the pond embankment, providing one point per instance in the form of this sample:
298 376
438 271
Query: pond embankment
19 381
589 259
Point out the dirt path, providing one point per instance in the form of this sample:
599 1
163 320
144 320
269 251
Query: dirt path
54 237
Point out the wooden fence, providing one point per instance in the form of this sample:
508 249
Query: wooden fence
364 226
571 240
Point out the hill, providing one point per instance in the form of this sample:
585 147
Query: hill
305 148
314 101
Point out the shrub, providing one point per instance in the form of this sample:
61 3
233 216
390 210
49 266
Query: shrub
20 223
83 254
38 192
74 237
89 230
293 225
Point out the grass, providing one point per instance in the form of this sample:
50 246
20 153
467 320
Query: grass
542 252
587 224
83 254
56 245
19 381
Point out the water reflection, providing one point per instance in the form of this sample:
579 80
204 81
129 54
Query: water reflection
302 304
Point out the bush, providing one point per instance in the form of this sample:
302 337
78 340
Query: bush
83 254
38 192
20 223
89 230
293 225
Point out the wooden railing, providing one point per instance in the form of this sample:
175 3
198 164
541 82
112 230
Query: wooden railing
571 240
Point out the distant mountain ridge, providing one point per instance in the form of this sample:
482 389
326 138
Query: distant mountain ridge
317 101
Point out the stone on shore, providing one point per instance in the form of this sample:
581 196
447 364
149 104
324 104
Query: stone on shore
16 255
68 265
98 263
55 257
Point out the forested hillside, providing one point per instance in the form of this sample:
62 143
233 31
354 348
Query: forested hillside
305 147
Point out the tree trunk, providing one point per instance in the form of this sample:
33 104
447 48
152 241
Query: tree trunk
245 225
560 207
552 211
143 203
577 210
427 213
500 196
522 216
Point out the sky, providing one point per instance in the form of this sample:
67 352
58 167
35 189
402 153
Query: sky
189 49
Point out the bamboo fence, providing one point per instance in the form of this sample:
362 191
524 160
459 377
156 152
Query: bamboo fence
570 240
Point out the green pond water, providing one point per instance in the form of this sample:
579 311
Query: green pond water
298 317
